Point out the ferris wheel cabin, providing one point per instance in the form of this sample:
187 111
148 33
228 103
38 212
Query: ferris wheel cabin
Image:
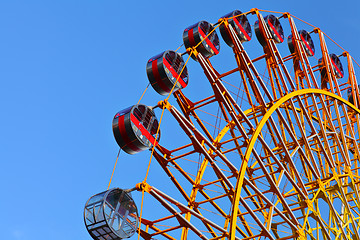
240 24
197 35
135 128
111 215
306 41
166 71
337 67
274 26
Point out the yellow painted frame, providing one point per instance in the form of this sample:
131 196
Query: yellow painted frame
253 139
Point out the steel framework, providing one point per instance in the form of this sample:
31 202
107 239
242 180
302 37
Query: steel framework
281 163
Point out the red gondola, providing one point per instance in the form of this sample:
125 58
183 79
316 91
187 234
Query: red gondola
274 27
306 41
163 72
135 128
240 24
337 66
197 33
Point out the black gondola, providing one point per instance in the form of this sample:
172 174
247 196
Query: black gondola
240 24
306 41
197 33
111 215
135 128
163 72
337 66
274 27
350 96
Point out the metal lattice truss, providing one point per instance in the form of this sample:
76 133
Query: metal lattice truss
283 164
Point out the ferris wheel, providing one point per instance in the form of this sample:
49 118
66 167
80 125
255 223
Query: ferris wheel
271 152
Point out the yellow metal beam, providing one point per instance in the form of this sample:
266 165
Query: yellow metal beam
257 132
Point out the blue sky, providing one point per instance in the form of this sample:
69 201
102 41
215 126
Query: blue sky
66 67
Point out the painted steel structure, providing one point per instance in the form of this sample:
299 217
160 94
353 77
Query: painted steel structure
281 163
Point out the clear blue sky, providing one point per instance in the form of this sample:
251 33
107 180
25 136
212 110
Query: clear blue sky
66 67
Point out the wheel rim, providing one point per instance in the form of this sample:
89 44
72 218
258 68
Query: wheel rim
323 188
